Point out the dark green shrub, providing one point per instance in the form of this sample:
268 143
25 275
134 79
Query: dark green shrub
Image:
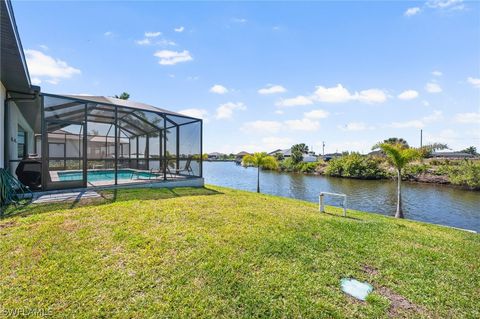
356 166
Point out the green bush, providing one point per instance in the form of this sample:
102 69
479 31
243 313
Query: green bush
356 166
307 167
415 169
467 173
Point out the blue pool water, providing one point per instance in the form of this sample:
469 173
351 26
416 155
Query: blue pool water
104 175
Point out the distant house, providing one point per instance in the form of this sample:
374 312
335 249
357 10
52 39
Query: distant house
330 156
285 153
451 155
215 155
239 156
309 158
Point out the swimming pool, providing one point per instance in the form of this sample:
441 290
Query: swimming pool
105 175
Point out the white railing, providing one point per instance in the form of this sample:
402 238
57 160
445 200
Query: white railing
322 206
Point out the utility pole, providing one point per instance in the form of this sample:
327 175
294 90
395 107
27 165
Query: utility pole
323 148
421 137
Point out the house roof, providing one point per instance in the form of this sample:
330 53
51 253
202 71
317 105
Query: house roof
451 154
126 103
275 152
216 154
134 118
243 153
14 71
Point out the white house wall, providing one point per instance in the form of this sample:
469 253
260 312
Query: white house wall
15 118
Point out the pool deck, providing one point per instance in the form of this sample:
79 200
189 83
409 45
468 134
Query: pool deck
74 194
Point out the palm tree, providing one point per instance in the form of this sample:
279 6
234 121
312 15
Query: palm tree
399 156
260 160
297 151
123 96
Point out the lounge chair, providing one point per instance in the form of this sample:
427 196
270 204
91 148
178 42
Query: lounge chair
187 168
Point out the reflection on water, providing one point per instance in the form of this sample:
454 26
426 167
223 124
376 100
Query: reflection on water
426 202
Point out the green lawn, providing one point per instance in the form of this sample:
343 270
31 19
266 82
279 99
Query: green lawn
217 252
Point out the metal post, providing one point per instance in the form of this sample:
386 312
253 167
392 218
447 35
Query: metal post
43 145
147 151
177 150
201 148
85 159
165 160
136 145
116 146
322 207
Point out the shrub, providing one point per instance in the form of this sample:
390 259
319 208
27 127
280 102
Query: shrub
467 173
415 169
357 166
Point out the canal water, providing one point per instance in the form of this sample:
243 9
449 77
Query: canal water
424 202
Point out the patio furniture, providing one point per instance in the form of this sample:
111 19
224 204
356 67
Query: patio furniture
11 190
187 168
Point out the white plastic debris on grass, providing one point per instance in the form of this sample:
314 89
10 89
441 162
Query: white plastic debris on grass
355 288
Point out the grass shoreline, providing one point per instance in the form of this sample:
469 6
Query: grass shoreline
218 252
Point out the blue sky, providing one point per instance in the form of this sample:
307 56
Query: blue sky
270 74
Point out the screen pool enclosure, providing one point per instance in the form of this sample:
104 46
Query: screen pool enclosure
97 141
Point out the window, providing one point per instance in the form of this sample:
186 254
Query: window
21 142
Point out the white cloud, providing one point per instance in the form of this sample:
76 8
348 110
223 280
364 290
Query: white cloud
165 42
152 34
225 111
36 81
43 47
239 20
218 89
262 126
432 87
355 126
168 57
425 103
179 29
272 89
408 95
436 116
303 125
197 113
108 33
296 101
371 96
468 118
145 41
279 112
273 142
316 114
339 94
474 81
408 124
446 4
412 11
42 66
437 73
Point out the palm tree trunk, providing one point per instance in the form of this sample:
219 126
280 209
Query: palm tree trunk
258 179
399 213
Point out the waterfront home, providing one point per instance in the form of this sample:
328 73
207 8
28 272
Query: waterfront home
285 153
215 155
81 141
452 155
239 156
